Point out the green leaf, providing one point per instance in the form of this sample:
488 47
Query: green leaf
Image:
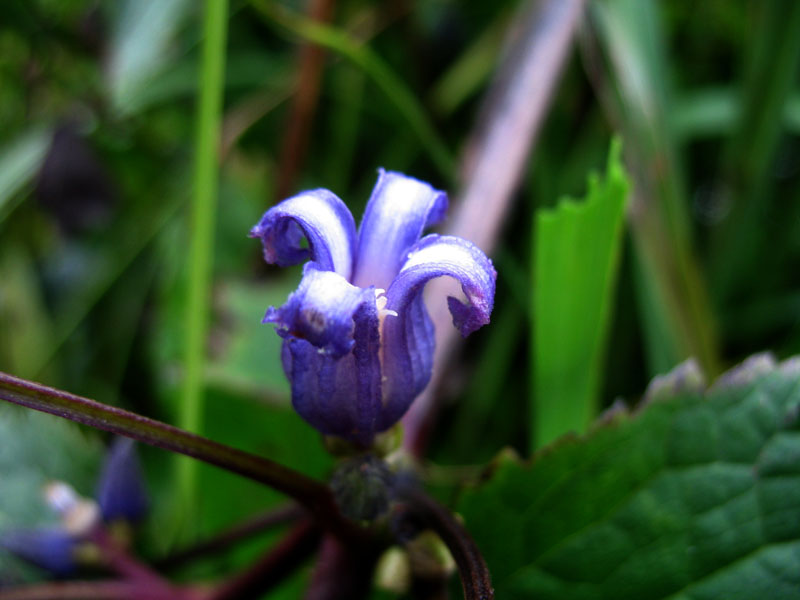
695 496
577 250
19 161
248 359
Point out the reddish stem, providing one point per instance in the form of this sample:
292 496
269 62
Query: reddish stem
343 571
309 66
224 540
270 570
472 569
119 560
312 494
96 590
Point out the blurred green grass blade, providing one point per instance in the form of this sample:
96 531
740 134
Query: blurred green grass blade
673 291
201 245
131 235
374 66
705 113
19 162
577 250
715 112
772 69
348 84
245 70
771 72
473 68
139 46
792 113
25 325
483 410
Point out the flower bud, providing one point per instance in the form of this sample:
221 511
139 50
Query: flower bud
121 490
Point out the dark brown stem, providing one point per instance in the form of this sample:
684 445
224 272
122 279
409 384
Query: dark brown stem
96 590
270 570
343 571
224 540
312 494
120 561
309 66
472 569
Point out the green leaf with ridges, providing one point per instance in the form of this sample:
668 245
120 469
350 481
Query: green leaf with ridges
696 496
577 250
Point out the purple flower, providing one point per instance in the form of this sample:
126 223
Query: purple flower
52 548
121 491
357 339
121 495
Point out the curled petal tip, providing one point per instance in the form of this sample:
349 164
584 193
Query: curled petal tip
468 317
320 218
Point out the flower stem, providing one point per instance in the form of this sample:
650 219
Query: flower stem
201 255
253 526
94 590
312 494
119 560
277 564
472 568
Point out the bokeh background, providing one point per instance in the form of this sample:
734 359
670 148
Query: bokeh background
98 114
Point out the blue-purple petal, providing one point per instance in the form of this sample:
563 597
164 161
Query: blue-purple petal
408 338
398 211
121 490
330 354
321 311
318 216
52 549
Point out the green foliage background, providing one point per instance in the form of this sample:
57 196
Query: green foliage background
97 108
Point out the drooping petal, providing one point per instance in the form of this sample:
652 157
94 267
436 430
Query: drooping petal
121 490
320 217
408 338
330 354
52 549
398 211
